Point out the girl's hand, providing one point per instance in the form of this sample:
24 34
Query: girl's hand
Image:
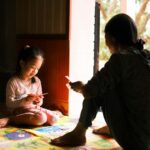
76 86
33 98
39 99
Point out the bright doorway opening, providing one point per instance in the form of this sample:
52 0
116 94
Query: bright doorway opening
81 48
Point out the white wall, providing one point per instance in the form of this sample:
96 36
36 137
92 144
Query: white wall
128 7
81 48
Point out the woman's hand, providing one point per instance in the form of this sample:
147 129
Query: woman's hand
77 86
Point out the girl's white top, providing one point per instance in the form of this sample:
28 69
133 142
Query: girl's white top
18 89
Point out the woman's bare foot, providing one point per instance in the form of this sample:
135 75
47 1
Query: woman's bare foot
103 131
70 139
4 122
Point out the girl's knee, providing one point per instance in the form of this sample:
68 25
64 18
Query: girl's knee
53 116
40 118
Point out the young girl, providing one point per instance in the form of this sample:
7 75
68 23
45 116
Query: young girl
24 92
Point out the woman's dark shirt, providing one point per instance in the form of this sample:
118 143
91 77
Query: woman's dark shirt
128 72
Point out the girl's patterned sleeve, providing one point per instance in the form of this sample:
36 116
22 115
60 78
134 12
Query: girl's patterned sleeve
11 100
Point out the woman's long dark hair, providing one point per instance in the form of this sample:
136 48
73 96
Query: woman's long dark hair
123 29
26 55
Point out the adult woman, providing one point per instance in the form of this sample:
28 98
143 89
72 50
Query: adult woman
121 88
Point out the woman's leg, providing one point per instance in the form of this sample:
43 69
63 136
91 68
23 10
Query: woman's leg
103 131
114 114
88 113
74 138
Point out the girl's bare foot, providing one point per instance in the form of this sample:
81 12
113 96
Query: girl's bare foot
4 122
103 131
70 139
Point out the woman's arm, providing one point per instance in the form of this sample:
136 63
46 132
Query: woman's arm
105 79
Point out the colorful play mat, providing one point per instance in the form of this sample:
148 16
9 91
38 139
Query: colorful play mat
16 138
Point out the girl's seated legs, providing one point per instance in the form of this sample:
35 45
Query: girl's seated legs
52 116
29 118
4 122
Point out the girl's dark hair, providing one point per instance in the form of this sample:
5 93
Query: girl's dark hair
27 54
123 29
